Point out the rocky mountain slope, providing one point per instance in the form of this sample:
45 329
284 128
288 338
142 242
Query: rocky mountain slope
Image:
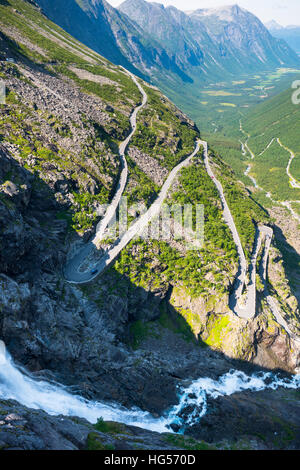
218 40
112 34
159 316
233 424
243 38
171 47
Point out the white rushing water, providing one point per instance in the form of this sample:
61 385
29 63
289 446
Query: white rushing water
56 400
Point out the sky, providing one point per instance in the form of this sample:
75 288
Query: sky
285 12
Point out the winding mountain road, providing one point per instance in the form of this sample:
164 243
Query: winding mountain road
71 271
267 233
247 309
124 173
243 305
293 182
73 274
267 147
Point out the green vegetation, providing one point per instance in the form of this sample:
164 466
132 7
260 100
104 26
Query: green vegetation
204 101
185 442
94 443
230 151
247 213
161 133
200 272
139 331
275 118
188 270
269 170
176 322
196 187
140 188
286 435
109 427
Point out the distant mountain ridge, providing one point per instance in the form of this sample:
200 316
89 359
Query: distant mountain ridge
290 34
181 53
228 38
168 45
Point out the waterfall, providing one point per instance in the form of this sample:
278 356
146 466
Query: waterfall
55 399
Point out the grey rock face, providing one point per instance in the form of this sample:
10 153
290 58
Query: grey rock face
184 47
271 416
25 429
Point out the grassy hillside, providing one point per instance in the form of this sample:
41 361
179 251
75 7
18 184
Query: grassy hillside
275 118
80 114
162 133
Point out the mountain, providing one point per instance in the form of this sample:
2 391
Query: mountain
168 45
125 344
112 34
228 39
242 36
290 34
88 21
215 48
172 28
